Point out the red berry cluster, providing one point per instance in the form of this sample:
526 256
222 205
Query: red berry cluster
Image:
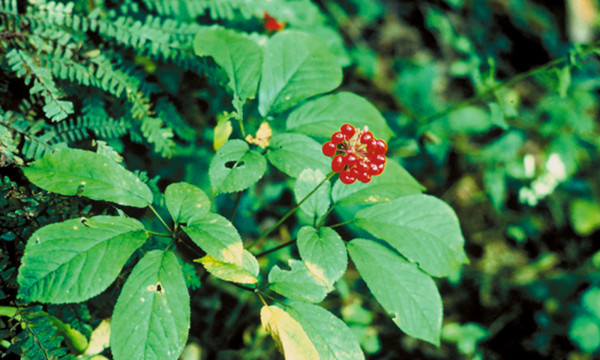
357 155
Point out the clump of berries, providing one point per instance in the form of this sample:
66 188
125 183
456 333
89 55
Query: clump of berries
357 155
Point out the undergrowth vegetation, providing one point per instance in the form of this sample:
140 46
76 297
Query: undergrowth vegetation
246 179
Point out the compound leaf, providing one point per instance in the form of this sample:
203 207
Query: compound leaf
422 228
296 66
151 319
408 295
77 259
85 173
185 201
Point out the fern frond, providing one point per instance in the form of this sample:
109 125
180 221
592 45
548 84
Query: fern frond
217 9
161 137
167 111
26 67
39 339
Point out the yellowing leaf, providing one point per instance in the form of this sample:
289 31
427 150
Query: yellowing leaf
246 274
100 338
290 337
222 131
263 136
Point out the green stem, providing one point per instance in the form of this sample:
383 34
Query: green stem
325 216
235 206
341 224
158 234
262 299
274 249
515 79
291 212
161 219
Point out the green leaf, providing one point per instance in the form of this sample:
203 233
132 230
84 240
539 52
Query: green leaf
323 252
585 333
585 216
470 120
235 167
318 203
292 153
247 273
422 228
591 301
289 336
185 201
325 115
151 319
296 66
217 237
239 56
409 296
85 173
297 283
395 182
77 259
330 335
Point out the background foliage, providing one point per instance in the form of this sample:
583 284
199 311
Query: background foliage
492 105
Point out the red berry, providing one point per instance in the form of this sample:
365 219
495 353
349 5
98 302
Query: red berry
329 148
366 137
337 164
381 147
364 177
377 159
379 169
348 131
350 160
372 145
362 166
337 137
347 178
373 169
354 172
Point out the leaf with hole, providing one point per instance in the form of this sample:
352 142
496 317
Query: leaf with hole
77 259
235 167
408 295
151 319
296 66
85 173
